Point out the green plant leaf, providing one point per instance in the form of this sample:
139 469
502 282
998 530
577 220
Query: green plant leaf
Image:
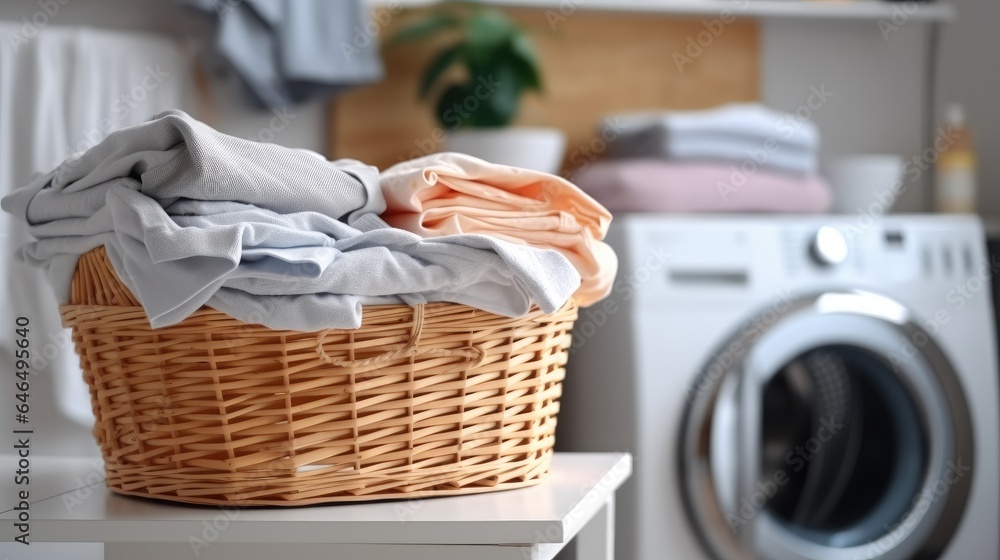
424 28
501 61
437 66
486 31
503 88
526 61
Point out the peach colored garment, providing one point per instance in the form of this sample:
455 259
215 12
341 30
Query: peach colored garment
449 193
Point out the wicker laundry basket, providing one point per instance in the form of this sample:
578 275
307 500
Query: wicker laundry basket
435 400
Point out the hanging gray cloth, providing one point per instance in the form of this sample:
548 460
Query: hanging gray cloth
287 51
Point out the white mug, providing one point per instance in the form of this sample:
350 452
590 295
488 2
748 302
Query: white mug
865 183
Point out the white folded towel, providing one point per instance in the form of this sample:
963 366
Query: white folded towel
732 133
266 234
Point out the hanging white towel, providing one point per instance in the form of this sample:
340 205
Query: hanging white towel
63 90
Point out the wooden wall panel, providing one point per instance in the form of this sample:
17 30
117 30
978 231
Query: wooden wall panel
594 63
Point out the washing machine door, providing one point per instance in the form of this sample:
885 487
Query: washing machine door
830 428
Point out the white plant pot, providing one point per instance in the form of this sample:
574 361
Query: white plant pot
540 149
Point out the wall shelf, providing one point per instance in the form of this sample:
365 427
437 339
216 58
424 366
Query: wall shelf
865 10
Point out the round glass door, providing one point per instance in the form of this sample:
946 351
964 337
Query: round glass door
825 440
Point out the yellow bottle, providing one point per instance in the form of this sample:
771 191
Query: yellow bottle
955 185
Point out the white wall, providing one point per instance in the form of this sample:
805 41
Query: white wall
877 80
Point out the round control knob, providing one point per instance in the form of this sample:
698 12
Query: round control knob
828 247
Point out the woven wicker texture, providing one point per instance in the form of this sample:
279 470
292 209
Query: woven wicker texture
435 400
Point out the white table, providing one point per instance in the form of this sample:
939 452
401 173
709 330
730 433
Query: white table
71 504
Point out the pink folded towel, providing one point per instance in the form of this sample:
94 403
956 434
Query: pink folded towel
449 193
647 185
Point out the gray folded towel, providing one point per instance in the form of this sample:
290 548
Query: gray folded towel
266 234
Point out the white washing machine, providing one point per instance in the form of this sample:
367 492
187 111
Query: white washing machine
795 388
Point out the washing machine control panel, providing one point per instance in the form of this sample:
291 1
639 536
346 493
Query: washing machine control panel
704 261
889 252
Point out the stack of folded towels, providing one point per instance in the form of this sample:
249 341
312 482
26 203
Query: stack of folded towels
266 234
735 158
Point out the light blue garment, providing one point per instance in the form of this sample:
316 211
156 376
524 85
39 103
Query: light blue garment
266 234
287 51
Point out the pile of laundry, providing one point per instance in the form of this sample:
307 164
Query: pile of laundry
190 216
734 158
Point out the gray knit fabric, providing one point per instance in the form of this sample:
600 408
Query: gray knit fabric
266 234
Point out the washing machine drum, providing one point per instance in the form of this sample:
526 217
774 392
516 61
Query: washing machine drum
831 428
